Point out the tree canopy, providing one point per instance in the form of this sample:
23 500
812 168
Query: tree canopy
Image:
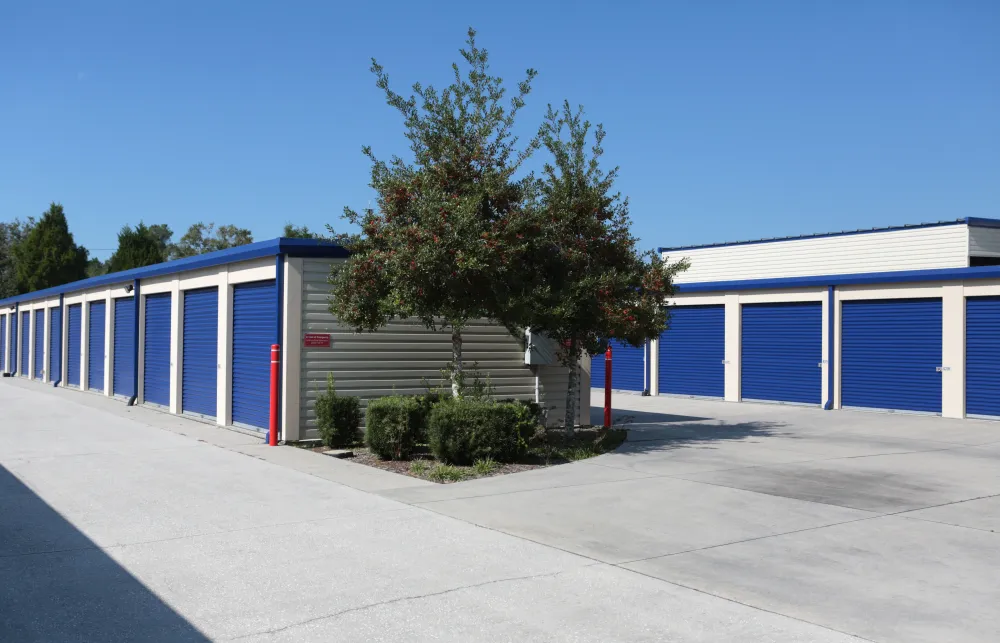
579 277
201 238
47 255
430 249
137 247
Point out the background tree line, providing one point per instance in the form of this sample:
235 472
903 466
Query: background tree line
42 253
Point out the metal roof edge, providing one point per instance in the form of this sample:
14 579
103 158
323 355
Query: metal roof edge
972 221
981 222
269 248
902 276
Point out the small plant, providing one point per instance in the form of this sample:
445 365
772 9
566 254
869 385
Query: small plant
419 467
337 417
579 453
446 473
485 466
392 426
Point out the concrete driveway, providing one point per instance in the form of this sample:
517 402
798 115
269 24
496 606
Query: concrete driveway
884 526
716 523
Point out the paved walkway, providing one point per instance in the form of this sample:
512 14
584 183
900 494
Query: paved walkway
124 524
880 525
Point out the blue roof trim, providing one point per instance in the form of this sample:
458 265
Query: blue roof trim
290 247
867 278
979 222
972 221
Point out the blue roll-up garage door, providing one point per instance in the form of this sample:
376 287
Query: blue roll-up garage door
39 344
692 352
96 346
12 353
3 343
25 343
255 328
628 368
781 349
156 350
199 375
982 356
123 375
74 331
891 354
55 344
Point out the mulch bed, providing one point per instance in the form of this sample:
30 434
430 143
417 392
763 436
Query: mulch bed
551 449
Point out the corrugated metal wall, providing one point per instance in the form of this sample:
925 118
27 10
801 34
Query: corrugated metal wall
397 358
984 242
917 249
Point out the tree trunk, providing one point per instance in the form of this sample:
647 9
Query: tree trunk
572 396
456 362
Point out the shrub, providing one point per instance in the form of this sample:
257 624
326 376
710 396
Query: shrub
338 418
392 426
425 403
462 431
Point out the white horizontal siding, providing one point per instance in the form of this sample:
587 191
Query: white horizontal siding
984 242
402 358
892 250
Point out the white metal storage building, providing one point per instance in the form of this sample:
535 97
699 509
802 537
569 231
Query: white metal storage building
193 337
896 319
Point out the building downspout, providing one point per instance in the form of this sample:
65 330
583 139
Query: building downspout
135 343
828 405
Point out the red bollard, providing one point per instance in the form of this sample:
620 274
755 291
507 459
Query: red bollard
607 388
275 362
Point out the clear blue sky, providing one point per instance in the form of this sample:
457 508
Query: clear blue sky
730 120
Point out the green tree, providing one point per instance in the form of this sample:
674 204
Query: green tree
10 235
201 238
47 255
164 238
578 276
137 247
96 267
292 231
428 251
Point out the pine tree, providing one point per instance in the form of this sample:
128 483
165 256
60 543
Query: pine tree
137 247
577 274
48 256
428 251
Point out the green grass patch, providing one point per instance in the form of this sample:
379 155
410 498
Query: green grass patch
447 473
485 466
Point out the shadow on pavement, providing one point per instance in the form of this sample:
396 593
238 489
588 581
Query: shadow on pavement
663 431
619 416
57 585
